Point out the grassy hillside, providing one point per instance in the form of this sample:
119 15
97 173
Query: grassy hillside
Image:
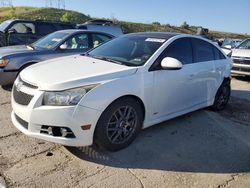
54 14
51 14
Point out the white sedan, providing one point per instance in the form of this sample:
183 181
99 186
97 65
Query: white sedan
108 95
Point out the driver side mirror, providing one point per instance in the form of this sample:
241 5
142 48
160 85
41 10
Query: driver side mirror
63 47
169 63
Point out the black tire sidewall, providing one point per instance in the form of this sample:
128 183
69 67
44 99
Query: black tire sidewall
100 136
215 105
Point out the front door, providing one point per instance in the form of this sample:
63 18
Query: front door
179 90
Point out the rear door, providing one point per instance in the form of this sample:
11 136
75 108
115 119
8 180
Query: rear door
205 74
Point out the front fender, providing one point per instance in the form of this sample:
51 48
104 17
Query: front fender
103 95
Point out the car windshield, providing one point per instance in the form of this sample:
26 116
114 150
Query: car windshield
244 45
128 50
4 25
51 40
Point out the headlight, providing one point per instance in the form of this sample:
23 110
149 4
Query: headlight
67 97
3 62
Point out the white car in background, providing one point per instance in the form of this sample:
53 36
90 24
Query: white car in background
231 43
109 94
241 59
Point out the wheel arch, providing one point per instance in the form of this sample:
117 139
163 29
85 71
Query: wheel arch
227 80
27 65
136 98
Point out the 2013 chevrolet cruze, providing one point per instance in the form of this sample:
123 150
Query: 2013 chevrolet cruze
107 95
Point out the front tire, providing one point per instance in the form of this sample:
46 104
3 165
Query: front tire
119 124
222 97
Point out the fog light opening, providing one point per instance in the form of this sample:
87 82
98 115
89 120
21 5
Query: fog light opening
64 132
57 131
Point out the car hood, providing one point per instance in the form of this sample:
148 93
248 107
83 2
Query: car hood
241 53
5 51
73 71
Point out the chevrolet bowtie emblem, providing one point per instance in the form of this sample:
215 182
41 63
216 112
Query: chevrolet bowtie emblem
242 59
19 86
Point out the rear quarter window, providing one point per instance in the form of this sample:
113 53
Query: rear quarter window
217 54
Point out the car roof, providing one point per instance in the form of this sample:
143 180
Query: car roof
72 31
162 35
37 21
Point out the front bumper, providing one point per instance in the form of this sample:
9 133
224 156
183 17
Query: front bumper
34 115
7 78
241 69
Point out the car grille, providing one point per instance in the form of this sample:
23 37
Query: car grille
241 69
241 61
20 97
21 122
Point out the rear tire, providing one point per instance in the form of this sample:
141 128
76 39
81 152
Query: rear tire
119 124
222 96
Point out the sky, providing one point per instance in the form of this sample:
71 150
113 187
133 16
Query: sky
220 15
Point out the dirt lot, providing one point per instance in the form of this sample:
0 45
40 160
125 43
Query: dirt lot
200 149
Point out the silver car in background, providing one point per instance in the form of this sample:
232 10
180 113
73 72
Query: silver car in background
241 59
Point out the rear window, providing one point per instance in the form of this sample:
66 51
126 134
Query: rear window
64 26
45 28
217 54
84 27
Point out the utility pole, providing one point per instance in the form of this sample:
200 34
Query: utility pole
6 3
61 4
52 3
48 3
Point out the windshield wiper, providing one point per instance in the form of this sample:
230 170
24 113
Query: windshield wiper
107 59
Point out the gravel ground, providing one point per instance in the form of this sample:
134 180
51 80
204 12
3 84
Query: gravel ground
200 149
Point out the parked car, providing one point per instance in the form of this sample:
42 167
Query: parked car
231 43
103 26
241 59
107 95
20 32
58 44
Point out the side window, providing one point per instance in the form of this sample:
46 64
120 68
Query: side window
217 54
64 26
45 28
80 41
99 39
24 28
180 49
203 51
